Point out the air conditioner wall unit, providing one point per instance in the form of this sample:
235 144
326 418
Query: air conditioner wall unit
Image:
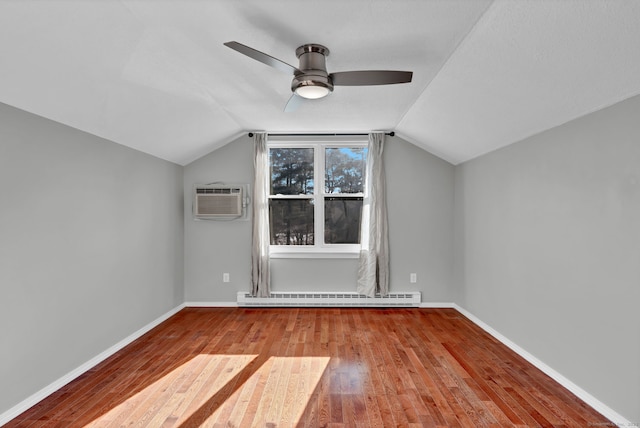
219 202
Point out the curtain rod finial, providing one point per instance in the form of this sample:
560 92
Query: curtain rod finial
250 134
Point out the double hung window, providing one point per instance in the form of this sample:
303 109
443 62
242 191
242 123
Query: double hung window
316 196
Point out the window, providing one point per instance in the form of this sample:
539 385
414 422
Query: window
316 196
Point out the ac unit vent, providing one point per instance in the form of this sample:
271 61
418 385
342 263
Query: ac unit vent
218 190
217 202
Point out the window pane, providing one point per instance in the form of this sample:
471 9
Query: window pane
291 171
291 221
344 169
342 220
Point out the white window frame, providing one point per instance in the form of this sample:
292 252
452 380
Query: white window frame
319 144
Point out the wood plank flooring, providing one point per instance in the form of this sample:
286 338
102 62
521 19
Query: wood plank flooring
325 367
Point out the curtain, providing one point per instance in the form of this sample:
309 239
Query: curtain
260 277
373 268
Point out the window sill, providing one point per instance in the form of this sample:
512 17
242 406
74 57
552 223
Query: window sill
313 255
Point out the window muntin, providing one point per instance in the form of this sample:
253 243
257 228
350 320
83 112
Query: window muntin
316 197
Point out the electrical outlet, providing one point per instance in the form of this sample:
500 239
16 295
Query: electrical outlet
413 278
225 277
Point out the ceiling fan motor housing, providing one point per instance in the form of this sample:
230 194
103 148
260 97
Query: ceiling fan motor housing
313 65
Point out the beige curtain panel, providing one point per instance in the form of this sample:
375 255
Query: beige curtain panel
260 276
373 269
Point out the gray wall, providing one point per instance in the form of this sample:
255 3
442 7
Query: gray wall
548 249
91 248
420 204
214 247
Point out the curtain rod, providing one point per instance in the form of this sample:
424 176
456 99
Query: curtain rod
391 134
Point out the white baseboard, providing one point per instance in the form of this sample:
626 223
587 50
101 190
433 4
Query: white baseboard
59 383
596 404
437 305
211 304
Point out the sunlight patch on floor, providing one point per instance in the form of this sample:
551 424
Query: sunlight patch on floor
178 394
277 394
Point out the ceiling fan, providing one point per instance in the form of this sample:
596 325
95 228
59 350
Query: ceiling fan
310 78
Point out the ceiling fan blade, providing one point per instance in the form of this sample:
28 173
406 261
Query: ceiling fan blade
294 103
370 77
263 58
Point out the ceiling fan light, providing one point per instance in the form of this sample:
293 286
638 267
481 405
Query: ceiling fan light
312 91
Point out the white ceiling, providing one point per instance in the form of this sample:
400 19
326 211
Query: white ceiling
155 76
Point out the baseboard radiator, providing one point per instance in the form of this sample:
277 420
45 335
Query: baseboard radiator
329 299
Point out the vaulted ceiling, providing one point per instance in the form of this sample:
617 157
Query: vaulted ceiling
155 75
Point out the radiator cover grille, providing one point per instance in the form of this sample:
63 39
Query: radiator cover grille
329 299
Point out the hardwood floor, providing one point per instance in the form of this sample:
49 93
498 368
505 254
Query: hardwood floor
322 367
